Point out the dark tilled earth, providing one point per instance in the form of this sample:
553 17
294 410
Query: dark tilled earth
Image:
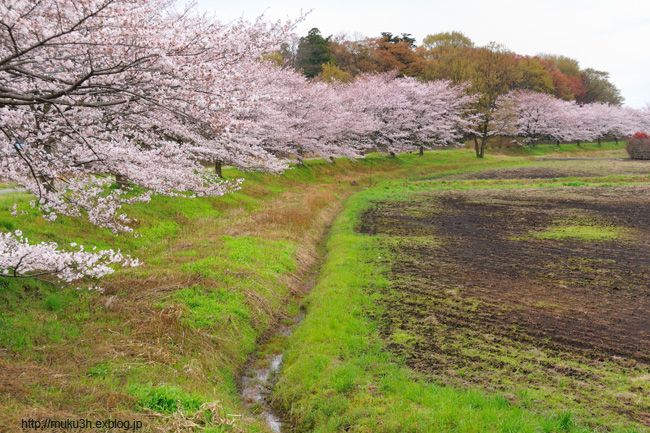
476 300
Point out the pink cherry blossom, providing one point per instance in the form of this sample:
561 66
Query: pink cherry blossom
536 116
19 258
125 88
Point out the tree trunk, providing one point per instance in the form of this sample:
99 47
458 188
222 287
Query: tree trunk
392 154
616 139
47 182
483 145
218 168
332 160
476 147
421 150
557 143
121 181
599 141
578 143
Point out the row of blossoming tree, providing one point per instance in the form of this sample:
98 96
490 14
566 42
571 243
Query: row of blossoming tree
535 117
145 95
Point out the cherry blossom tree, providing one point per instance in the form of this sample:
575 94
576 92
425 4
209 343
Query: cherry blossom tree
611 120
285 117
129 88
19 258
407 113
290 117
530 115
537 116
92 90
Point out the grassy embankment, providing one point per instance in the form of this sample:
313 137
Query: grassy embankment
338 375
166 341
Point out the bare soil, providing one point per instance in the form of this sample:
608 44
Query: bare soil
475 300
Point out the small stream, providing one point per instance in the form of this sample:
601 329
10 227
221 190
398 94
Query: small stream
260 376
261 373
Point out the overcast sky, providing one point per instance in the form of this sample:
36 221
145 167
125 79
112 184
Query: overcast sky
610 35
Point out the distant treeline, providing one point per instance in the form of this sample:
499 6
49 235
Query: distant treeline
450 56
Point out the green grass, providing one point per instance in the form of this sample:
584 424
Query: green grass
580 232
212 308
337 374
564 148
165 399
29 319
216 273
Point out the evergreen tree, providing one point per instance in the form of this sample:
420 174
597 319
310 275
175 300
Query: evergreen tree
313 52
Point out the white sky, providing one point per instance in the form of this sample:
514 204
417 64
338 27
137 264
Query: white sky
608 35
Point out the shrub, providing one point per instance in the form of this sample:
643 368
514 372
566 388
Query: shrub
638 146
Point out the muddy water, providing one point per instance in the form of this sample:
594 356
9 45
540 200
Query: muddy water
259 378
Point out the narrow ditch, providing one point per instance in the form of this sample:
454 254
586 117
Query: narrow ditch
261 372
260 376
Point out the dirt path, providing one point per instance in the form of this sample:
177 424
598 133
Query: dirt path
4 191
